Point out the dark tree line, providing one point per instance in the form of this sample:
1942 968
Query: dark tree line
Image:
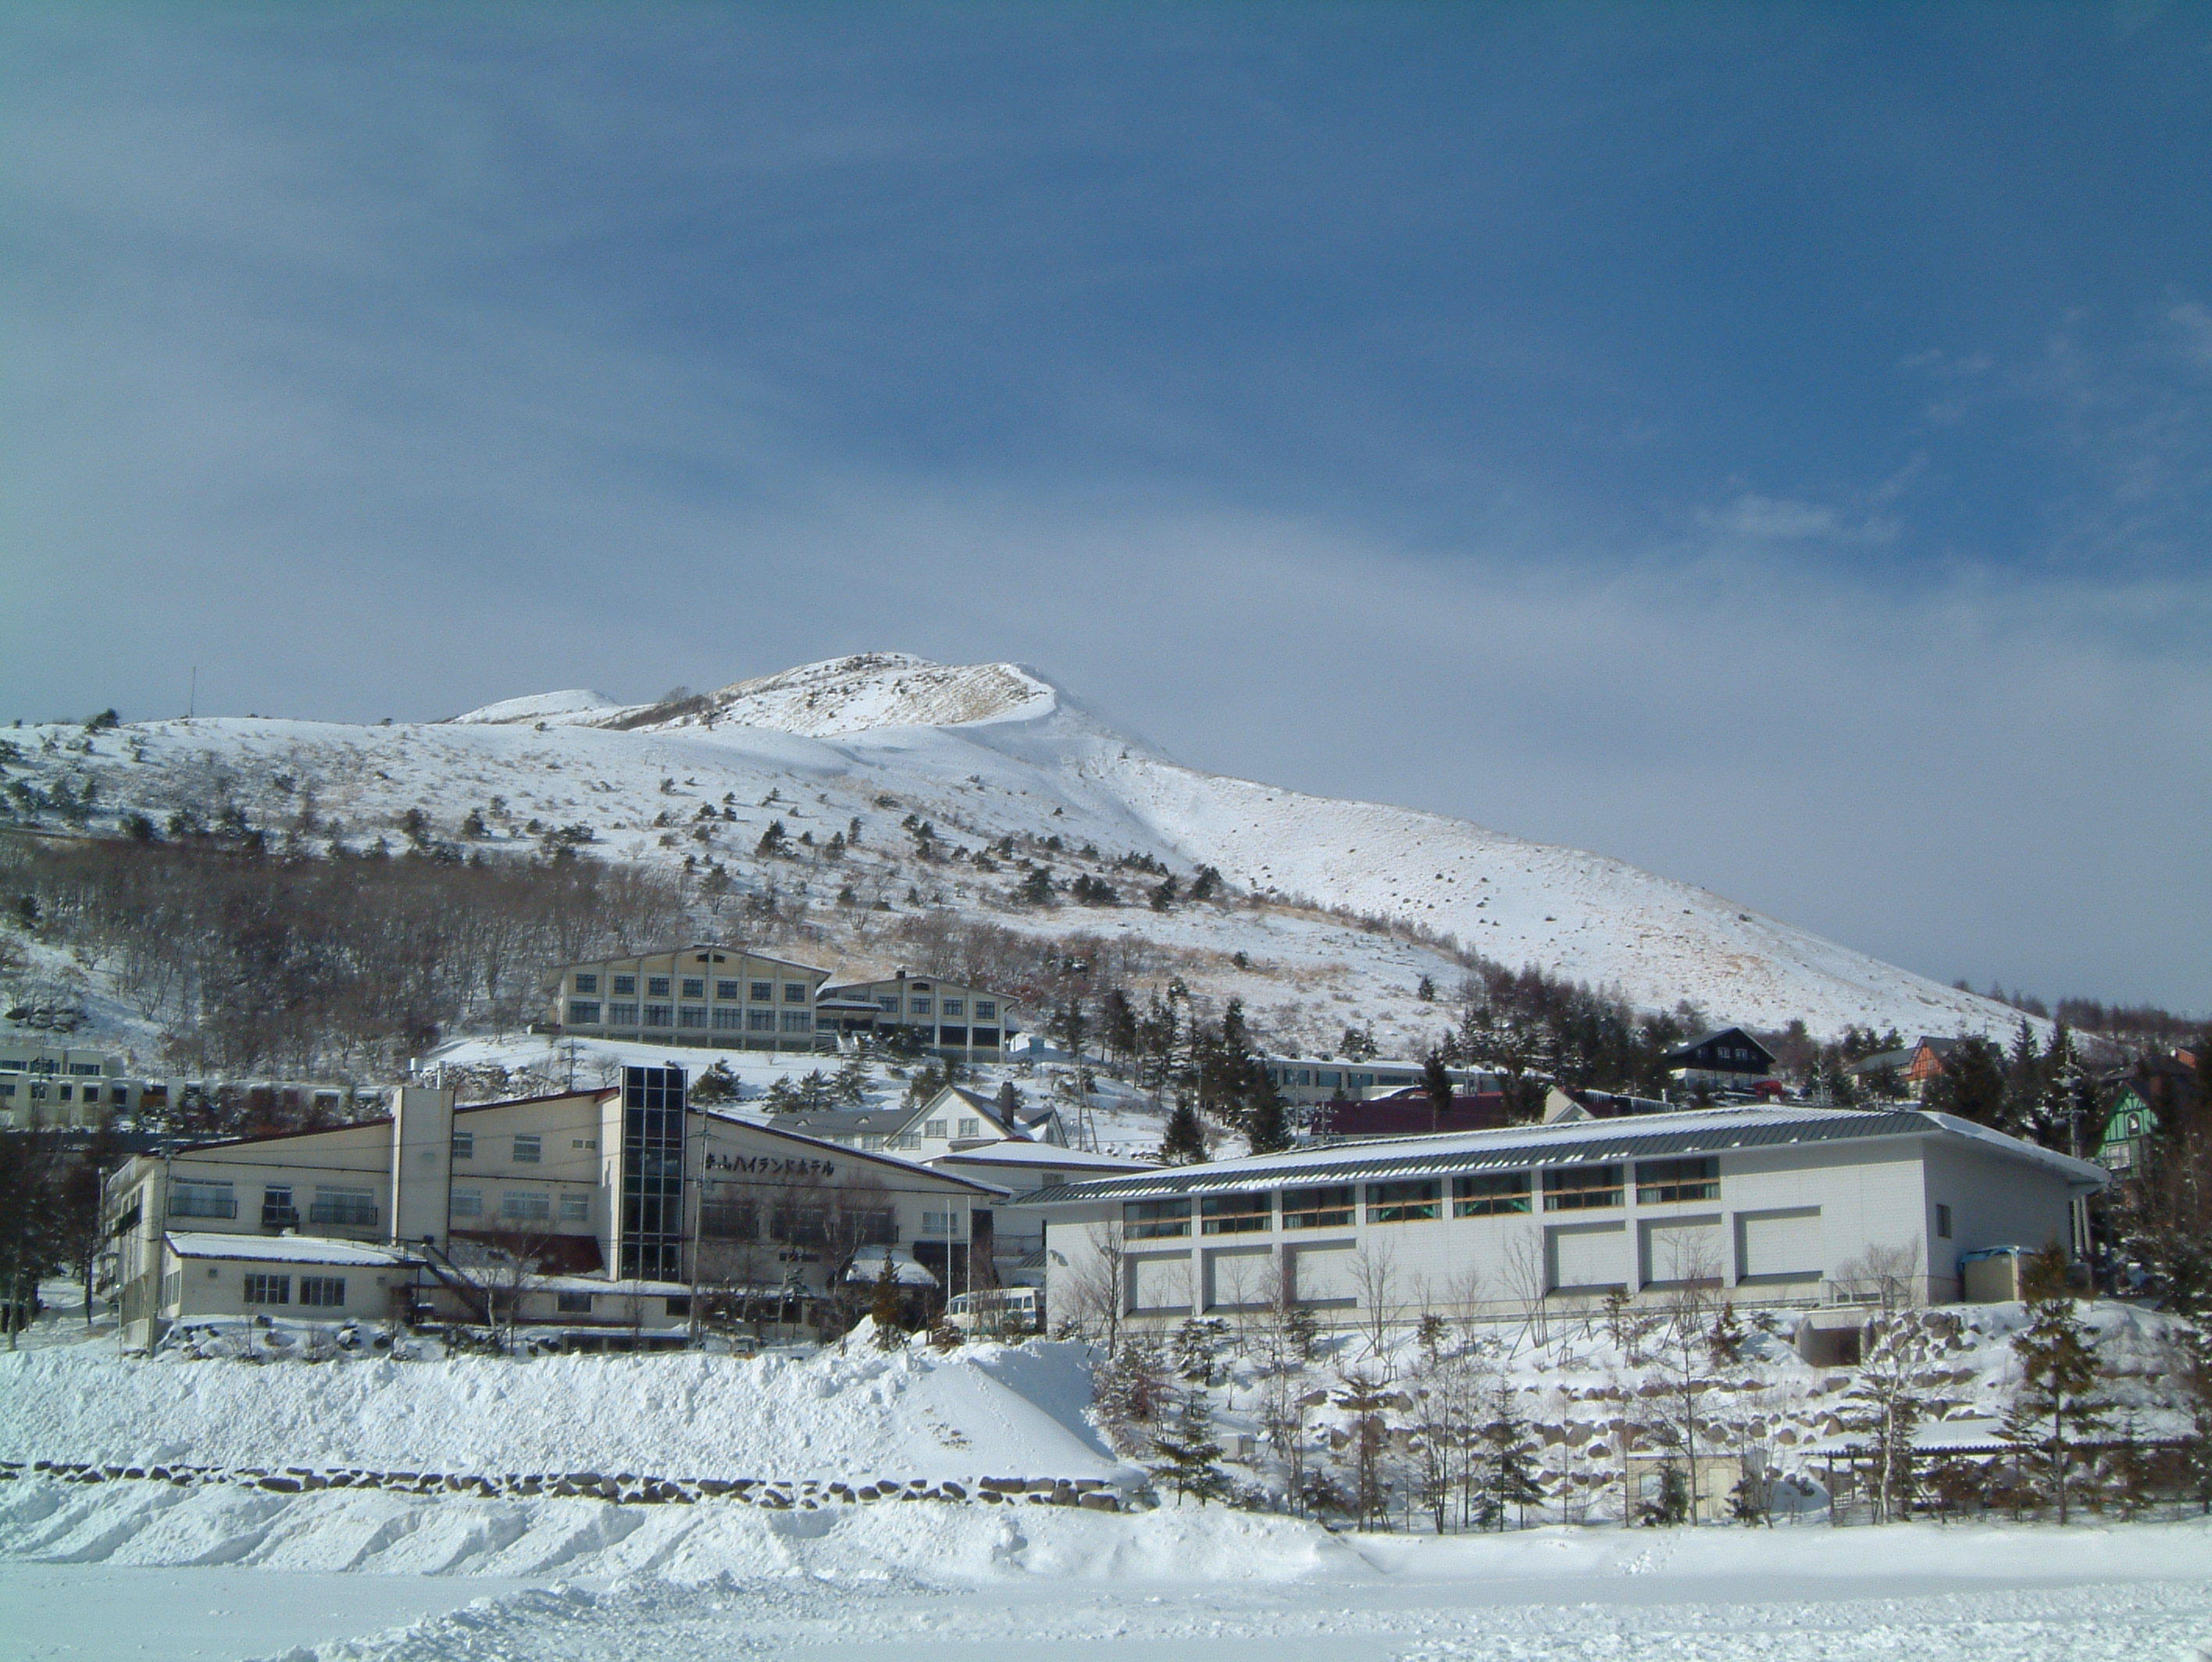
259 962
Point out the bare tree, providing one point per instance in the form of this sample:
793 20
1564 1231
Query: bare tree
1527 1277
1375 1284
1098 1283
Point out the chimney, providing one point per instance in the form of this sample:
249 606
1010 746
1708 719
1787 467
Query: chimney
422 1162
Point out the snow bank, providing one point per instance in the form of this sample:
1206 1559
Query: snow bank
840 1415
382 1533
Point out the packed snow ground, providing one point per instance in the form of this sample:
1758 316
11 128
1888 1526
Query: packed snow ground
100 1572
985 751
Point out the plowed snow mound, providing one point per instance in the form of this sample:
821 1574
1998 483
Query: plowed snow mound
982 1412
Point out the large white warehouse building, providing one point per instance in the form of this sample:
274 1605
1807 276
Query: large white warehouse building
1774 1205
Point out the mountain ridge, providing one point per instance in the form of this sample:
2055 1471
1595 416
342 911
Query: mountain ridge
997 754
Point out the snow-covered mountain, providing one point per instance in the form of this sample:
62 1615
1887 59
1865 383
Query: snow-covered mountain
984 752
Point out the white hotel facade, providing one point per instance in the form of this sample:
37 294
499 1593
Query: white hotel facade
1770 1205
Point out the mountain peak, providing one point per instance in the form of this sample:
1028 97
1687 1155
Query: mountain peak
861 692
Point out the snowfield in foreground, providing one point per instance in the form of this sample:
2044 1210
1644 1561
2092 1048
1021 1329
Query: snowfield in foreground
674 1584
100 1572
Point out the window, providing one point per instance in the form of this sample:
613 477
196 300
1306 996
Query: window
794 992
621 1016
726 991
917 1006
267 1289
691 1016
984 1038
944 1224
987 1009
1943 1223
723 1215
762 992
202 1200
465 1146
1155 1219
971 1128
625 987
904 1140
798 1021
934 1127
278 1211
1490 1196
954 1008
1413 1202
888 1003
566 1303
529 1149
694 987
1051 1180
760 1021
322 1292
584 1143
956 1037
588 983
526 1206
583 1012
576 1208
680 1305
466 1203
656 986
658 1016
1581 1188
1667 1182
350 1208
1232 1215
1327 1207
728 1018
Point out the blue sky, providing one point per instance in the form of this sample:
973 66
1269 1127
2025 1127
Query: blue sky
1773 446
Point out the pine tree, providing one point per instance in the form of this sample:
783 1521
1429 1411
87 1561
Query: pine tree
1267 1127
883 1306
1188 1450
1198 1343
1506 1474
2057 1401
1437 1086
1724 1344
1184 1144
1886 1403
850 1086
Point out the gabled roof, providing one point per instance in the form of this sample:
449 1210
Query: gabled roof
1707 1038
1020 1151
1691 1131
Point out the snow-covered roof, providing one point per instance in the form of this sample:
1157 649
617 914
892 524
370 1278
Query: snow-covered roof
288 1249
915 1166
1021 1151
1691 1131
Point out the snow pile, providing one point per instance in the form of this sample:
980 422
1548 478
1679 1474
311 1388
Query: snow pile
384 1534
842 1414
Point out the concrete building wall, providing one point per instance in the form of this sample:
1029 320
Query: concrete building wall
208 1287
1798 1224
702 994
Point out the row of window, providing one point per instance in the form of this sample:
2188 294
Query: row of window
694 986
527 1148
720 1018
316 1292
36 1090
523 1205
1332 1206
339 1205
952 1010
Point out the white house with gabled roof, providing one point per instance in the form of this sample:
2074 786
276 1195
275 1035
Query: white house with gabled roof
1770 1205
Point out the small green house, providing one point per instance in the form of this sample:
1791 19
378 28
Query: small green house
2128 1129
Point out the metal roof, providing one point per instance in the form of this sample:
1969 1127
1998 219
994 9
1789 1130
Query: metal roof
1593 1141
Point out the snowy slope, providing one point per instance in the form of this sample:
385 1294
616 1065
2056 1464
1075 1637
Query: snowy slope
987 751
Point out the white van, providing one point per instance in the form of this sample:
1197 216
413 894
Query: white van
1001 1312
